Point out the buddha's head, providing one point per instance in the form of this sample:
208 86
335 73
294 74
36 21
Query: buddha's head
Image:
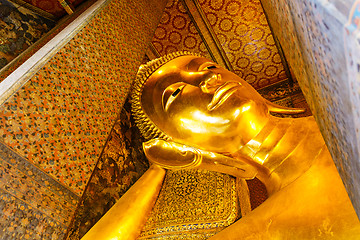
191 100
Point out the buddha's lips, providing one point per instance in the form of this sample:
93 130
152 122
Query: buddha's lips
222 94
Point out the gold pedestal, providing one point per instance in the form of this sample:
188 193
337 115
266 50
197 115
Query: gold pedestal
195 204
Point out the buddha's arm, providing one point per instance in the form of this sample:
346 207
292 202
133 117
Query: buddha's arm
314 206
175 156
126 218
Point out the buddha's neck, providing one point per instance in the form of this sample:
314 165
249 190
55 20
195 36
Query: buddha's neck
283 150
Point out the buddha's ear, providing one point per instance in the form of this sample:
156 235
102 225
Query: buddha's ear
275 108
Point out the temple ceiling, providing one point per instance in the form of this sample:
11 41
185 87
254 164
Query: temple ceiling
233 33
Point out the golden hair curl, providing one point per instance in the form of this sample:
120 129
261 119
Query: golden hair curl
147 128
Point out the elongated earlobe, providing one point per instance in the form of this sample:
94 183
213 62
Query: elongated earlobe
275 108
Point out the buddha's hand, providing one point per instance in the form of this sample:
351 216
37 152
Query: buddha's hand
171 155
176 156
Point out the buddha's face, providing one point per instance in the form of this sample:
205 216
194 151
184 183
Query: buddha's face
198 103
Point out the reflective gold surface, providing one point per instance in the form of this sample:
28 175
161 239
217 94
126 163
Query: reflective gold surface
175 156
202 107
126 218
210 118
314 206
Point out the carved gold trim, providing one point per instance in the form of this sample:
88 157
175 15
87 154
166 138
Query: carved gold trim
243 196
152 52
67 6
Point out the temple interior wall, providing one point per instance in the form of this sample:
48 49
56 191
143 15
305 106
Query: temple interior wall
320 42
53 128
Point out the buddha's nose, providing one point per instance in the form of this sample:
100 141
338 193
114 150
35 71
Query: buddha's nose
211 83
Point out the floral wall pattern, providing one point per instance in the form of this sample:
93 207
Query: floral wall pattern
57 124
121 164
245 36
176 32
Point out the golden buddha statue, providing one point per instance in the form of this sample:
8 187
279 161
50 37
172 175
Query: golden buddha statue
197 115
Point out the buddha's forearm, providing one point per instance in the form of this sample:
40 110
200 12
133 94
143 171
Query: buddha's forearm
176 156
126 218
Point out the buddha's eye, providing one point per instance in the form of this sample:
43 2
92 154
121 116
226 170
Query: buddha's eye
210 67
176 92
171 93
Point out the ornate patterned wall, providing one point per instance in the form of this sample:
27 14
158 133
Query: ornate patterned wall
58 122
176 32
322 48
241 29
244 34
121 164
30 51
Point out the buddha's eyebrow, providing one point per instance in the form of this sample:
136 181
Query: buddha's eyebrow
194 64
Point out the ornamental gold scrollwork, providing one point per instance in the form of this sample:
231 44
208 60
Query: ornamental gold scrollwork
197 203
